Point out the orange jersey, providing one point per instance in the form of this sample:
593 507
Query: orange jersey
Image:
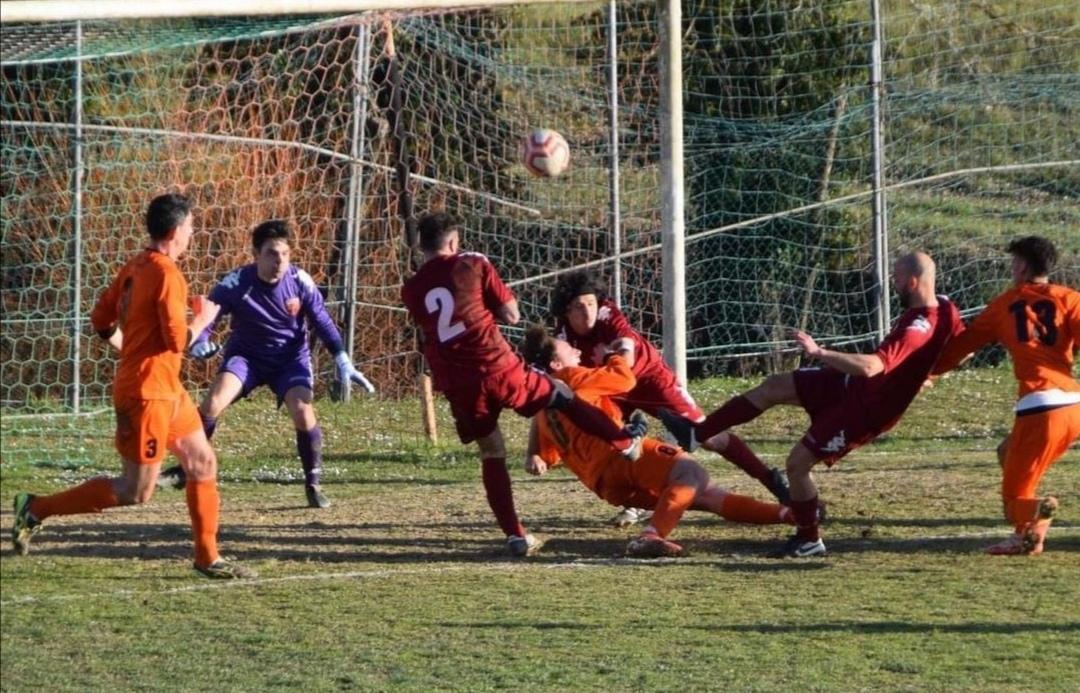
148 301
560 439
1039 324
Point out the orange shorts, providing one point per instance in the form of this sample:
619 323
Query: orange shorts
1036 441
146 428
638 484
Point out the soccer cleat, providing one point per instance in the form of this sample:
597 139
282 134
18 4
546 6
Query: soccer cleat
778 486
25 524
797 547
226 569
520 547
652 545
680 427
172 477
630 516
1013 546
315 497
637 426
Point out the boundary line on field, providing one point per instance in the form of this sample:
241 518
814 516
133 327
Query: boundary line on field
579 564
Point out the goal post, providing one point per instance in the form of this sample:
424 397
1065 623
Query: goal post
282 110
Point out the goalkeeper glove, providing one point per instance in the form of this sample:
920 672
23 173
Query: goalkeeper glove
348 373
204 349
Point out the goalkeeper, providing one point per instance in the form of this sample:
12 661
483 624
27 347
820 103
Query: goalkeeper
272 304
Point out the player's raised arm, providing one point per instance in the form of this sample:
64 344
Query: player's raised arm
864 365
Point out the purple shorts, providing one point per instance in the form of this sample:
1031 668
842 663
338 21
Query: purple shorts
280 376
838 424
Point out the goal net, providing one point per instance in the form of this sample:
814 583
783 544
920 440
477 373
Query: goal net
315 120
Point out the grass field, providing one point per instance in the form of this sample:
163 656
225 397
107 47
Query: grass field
402 584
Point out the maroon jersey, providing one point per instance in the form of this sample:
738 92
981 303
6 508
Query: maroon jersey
611 324
452 298
909 352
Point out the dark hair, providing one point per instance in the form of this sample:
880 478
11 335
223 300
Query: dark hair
165 213
538 347
434 229
572 285
272 230
1038 252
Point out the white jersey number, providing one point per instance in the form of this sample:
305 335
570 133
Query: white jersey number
440 299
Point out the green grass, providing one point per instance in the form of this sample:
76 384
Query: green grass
402 583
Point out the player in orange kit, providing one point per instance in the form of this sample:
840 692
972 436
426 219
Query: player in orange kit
1039 324
664 478
143 313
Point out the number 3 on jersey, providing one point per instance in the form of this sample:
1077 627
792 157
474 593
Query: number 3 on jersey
440 299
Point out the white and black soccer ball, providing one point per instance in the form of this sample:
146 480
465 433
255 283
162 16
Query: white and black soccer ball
545 153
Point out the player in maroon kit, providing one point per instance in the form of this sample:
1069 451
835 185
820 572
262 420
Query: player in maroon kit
591 322
456 297
851 400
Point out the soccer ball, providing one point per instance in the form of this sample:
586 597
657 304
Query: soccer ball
545 153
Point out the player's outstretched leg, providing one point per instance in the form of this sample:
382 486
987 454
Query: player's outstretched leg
733 449
91 496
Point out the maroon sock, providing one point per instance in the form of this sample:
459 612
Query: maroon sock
595 422
744 458
806 518
500 496
735 411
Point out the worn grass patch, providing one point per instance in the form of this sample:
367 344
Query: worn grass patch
403 584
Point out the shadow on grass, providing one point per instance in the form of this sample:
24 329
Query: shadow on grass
874 627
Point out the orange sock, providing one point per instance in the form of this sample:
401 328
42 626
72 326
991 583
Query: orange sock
673 502
750 510
1022 511
91 496
203 502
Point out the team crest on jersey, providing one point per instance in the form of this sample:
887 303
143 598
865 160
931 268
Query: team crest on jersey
292 305
604 314
920 324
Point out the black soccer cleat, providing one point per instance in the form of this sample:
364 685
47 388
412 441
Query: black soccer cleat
778 486
172 477
797 547
315 497
680 427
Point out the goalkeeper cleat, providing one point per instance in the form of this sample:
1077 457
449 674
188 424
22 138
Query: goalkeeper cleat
778 486
226 569
315 497
25 524
628 517
172 477
520 547
652 545
797 547
680 427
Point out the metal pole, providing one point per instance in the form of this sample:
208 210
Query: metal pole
355 202
880 213
671 166
613 125
76 211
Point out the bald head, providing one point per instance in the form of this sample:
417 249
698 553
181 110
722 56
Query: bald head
913 277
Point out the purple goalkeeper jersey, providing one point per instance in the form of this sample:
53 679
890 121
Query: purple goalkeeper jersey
268 320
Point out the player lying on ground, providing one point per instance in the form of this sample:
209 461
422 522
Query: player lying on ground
664 478
143 313
1039 324
455 298
590 321
273 303
853 399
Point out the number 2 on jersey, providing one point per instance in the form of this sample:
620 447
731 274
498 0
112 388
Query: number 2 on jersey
1045 312
440 299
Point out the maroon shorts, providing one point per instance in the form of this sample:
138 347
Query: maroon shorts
476 405
659 388
838 424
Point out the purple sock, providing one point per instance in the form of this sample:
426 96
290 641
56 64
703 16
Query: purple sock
309 445
209 424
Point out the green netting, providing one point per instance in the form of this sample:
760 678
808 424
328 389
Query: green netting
256 118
